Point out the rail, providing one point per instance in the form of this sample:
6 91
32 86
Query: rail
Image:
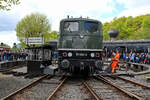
136 83
129 94
25 87
56 89
92 92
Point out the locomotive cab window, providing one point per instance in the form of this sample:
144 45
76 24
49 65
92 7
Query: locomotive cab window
71 26
91 27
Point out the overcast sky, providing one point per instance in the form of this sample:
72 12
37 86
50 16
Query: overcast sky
55 10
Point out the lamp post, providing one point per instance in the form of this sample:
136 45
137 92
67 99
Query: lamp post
1 51
41 31
42 39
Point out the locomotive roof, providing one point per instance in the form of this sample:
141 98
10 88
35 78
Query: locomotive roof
79 19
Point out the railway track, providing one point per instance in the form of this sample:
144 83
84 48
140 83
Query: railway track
92 92
9 68
98 90
17 95
106 91
45 88
132 89
132 86
72 89
140 79
131 81
56 89
108 88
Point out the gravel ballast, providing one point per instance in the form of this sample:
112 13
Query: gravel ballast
10 83
73 89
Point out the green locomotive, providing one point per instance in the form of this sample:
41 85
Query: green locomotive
80 46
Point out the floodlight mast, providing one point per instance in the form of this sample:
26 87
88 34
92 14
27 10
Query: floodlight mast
42 41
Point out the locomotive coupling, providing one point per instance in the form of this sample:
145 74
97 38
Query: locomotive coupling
99 64
65 64
82 65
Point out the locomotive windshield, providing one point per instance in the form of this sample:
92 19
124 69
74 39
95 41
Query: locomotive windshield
91 27
71 26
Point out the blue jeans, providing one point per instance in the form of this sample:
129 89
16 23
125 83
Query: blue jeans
5 58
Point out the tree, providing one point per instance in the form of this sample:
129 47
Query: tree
6 4
54 35
51 36
130 28
3 44
33 25
146 22
145 30
106 27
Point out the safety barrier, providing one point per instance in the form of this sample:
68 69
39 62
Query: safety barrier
12 64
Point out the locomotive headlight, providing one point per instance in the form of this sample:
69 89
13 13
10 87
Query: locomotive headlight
97 55
92 55
69 54
65 54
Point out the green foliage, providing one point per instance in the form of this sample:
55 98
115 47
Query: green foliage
33 25
146 22
51 36
6 4
15 48
54 35
3 44
106 27
130 28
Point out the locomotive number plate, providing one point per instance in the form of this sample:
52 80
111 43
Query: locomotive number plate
81 54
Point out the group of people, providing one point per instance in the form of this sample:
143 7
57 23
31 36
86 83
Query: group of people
143 58
10 56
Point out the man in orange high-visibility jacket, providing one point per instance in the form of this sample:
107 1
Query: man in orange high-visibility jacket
115 60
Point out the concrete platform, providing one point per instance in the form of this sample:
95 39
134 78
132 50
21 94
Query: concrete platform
135 73
23 69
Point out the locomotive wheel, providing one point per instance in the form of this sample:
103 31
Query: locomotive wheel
91 70
72 67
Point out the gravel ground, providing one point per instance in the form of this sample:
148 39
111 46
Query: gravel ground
140 79
9 83
106 91
131 87
73 89
41 91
